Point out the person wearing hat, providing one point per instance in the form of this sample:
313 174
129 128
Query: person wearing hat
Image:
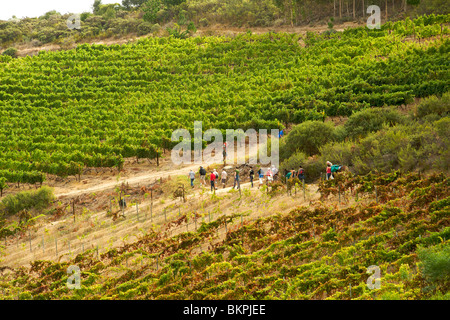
329 175
274 173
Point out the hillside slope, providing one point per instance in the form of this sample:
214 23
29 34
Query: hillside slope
307 253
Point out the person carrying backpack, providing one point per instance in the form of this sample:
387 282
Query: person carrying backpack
301 173
202 172
335 168
252 173
289 174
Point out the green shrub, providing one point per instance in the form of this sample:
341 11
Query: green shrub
293 162
144 28
307 137
35 199
338 153
435 264
12 52
371 120
329 235
84 16
440 296
155 28
434 106
340 133
203 22
404 147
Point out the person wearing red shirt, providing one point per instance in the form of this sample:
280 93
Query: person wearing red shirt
328 171
212 178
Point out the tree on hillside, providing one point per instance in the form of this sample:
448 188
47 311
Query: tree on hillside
151 8
49 14
173 2
129 4
96 6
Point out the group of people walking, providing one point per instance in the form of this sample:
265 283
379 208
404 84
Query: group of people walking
292 174
264 176
215 179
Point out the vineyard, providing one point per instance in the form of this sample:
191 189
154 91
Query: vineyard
88 130
95 105
399 223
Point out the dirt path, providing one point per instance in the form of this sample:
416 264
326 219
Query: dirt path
97 185
66 237
112 182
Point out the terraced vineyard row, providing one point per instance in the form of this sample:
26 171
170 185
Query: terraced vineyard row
306 254
95 105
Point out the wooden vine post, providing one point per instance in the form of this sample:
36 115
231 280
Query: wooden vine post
151 204
304 191
137 211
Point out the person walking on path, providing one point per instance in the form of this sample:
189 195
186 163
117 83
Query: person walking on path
216 180
269 176
329 175
212 178
301 173
252 174
224 152
289 174
274 173
236 179
192 177
260 176
224 177
202 172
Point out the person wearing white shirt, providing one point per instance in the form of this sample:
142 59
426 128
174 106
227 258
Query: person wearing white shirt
224 177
